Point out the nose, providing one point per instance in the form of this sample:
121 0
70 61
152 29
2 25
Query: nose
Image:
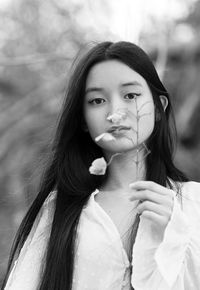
117 111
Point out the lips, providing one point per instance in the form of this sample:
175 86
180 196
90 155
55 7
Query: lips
117 129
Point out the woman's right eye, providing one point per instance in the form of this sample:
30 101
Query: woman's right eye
96 101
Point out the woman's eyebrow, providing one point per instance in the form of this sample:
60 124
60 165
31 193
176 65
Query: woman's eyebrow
134 83
98 89
93 89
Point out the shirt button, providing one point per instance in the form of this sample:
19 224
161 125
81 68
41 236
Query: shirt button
124 283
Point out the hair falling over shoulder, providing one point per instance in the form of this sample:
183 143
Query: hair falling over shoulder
73 152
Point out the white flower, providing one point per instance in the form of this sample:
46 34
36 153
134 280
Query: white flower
105 137
116 117
98 166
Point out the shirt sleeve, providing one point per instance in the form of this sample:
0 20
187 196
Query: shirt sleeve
174 262
27 268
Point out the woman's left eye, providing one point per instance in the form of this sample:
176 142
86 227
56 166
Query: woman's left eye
131 96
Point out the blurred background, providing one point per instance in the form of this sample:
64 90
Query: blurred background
38 42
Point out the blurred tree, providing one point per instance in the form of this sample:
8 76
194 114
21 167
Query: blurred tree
184 82
38 41
174 46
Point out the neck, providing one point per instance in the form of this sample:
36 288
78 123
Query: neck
123 169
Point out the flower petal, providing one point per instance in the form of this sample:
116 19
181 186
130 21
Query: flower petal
105 137
116 117
98 166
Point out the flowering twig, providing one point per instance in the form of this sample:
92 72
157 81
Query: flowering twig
99 165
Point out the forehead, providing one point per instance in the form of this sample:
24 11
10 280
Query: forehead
112 73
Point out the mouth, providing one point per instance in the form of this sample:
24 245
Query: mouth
115 129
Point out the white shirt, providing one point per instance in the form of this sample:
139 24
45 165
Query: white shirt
101 263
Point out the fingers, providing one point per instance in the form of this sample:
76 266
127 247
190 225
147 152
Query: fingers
151 196
155 218
152 186
159 215
148 190
153 207
156 201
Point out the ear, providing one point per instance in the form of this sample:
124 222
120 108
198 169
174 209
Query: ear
164 101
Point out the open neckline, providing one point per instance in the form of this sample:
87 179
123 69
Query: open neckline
127 262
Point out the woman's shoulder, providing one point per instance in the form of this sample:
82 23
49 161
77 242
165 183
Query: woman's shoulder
191 190
187 188
188 195
48 206
50 198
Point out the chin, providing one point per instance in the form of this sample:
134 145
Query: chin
119 149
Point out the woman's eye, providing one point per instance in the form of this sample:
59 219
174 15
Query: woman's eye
96 101
131 96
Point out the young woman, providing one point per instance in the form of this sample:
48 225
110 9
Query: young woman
113 212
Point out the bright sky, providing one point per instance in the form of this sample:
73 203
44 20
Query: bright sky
129 17
124 18
4 4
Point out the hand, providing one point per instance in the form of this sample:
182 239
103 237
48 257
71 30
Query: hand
156 201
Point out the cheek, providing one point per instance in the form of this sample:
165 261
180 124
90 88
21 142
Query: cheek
94 122
146 125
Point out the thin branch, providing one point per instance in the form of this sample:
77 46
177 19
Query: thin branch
134 130
146 114
22 107
143 105
111 159
32 59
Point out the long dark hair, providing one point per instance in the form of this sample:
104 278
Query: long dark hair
72 153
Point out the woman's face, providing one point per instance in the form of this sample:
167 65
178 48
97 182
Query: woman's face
113 87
